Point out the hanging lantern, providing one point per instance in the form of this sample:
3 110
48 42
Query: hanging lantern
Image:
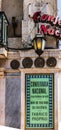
39 44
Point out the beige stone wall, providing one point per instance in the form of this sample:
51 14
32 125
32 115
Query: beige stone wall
51 6
13 8
0 5
14 43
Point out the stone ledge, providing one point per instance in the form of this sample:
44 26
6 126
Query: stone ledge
37 70
46 53
31 53
13 55
3 53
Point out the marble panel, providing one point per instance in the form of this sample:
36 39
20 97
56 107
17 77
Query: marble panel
12 109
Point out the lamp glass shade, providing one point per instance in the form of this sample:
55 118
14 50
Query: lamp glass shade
39 44
35 45
43 44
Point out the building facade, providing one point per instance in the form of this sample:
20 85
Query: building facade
17 65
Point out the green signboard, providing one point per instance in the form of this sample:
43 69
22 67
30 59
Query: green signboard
39 100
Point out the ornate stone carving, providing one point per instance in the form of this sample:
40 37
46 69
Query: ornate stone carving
14 64
51 62
27 62
39 62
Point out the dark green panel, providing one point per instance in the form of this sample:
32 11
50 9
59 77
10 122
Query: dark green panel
39 100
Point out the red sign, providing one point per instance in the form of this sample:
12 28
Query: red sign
46 29
53 26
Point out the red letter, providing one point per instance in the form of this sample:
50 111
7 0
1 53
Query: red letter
59 22
56 20
57 33
36 16
50 18
44 29
44 17
51 31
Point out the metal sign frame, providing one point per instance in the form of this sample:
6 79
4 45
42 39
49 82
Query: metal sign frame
49 77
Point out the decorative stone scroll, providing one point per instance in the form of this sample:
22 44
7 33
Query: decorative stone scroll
51 62
39 62
27 62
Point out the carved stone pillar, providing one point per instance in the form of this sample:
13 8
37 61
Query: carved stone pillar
2 97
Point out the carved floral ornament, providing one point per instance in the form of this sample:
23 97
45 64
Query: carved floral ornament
52 25
39 62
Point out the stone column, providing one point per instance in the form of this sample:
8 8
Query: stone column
2 98
56 85
59 101
22 101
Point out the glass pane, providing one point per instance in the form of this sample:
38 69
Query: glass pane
3 29
5 33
